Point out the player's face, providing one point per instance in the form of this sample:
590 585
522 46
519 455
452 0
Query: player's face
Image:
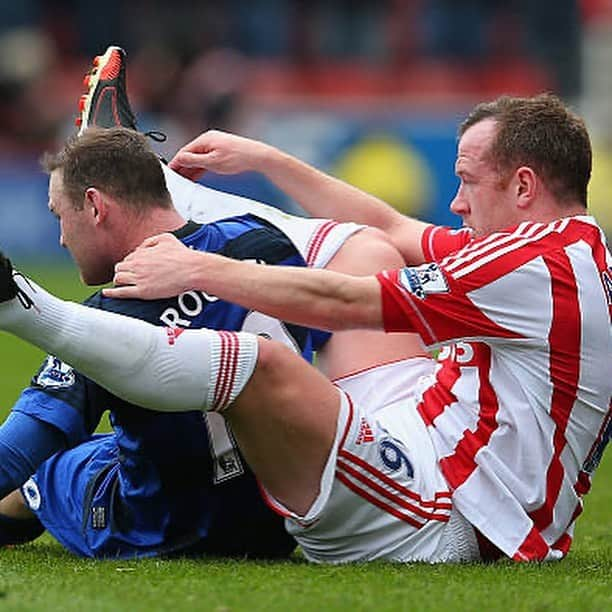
78 233
483 201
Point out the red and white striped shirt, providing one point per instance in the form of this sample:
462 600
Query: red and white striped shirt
520 410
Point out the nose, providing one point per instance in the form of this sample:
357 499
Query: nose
459 204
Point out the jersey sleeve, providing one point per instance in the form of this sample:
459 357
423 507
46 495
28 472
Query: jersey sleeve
60 396
437 242
432 301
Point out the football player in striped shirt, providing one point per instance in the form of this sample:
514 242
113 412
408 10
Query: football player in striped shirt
518 302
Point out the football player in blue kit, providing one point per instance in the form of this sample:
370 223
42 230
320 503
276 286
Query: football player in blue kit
160 483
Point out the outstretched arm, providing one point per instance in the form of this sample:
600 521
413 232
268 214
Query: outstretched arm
163 267
318 193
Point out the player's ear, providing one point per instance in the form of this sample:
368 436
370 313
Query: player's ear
95 202
526 185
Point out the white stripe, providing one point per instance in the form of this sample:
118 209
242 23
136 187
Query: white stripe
469 248
470 252
500 252
495 241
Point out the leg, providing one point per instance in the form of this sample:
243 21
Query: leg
157 368
284 412
285 423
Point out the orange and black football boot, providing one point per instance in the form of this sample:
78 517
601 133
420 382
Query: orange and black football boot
106 102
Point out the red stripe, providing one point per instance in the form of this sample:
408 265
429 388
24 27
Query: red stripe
394 485
377 502
503 264
221 373
520 246
349 420
438 397
534 247
390 496
481 248
231 369
101 101
564 340
232 366
533 548
459 466
227 369
317 241
344 377
563 544
583 484
271 502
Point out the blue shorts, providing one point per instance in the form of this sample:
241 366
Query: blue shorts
98 504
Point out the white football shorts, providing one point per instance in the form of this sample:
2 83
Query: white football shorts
382 493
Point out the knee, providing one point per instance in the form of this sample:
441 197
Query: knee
278 372
272 356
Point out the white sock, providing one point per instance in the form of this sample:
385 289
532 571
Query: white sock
163 369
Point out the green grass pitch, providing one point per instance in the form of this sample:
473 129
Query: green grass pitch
42 576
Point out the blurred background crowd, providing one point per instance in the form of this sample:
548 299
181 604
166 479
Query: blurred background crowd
371 91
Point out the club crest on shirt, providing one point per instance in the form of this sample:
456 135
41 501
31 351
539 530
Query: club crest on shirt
424 280
55 374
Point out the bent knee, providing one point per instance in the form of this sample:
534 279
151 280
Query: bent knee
282 374
273 357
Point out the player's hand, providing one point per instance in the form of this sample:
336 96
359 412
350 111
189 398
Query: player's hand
158 268
219 152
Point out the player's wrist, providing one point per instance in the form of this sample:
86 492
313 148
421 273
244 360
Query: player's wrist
269 160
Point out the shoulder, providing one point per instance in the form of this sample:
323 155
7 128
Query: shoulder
250 237
438 241
534 244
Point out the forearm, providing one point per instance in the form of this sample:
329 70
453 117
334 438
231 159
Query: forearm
318 193
322 195
314 298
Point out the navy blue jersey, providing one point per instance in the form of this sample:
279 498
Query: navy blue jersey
161 482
